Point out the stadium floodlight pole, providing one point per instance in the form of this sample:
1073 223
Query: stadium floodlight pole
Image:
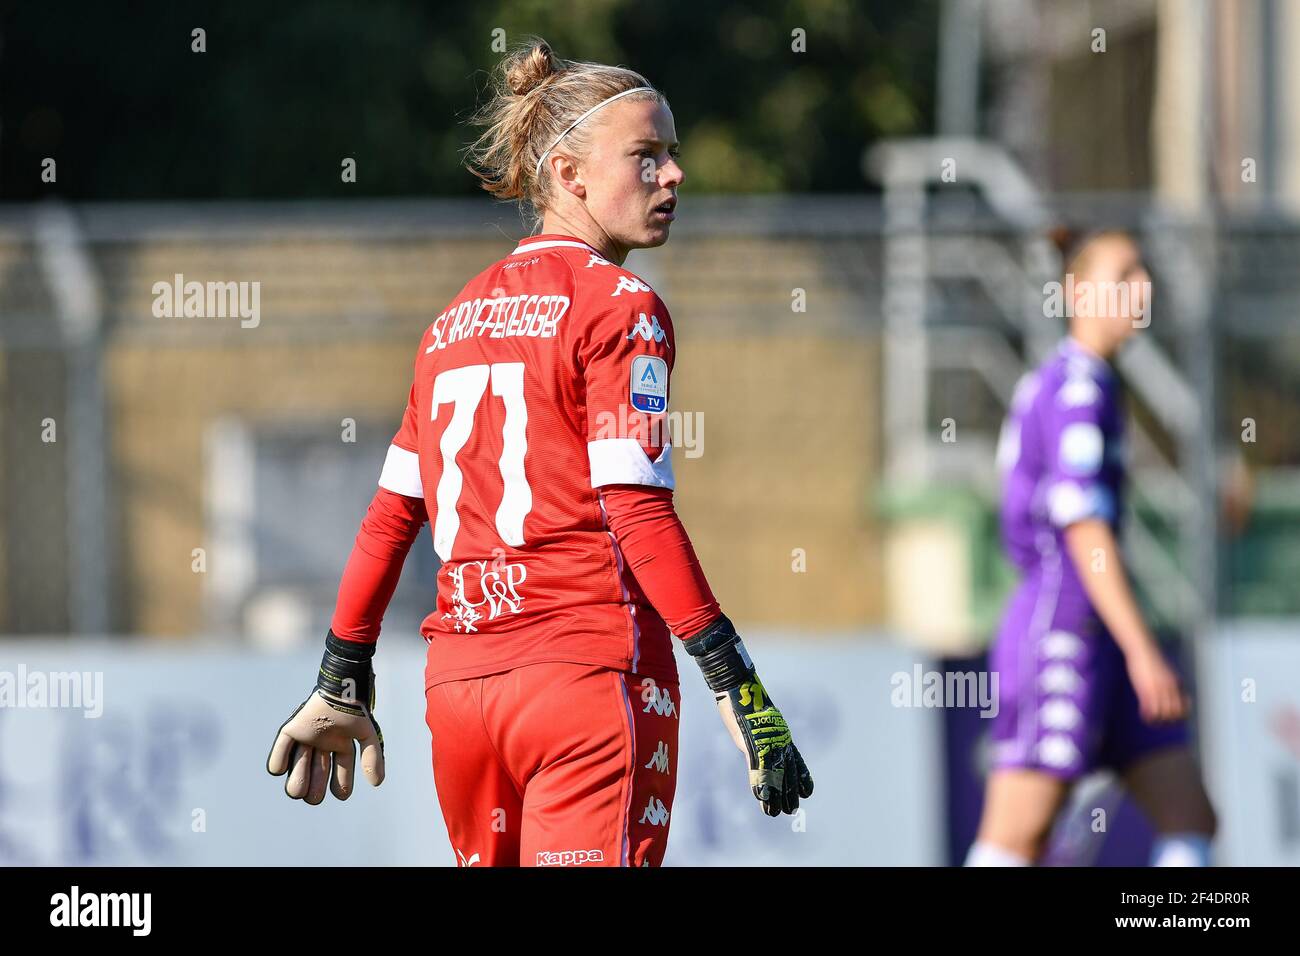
75 290
959 68
1185 237
907 366
905 168
1203 347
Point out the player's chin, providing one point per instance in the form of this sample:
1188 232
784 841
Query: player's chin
655 234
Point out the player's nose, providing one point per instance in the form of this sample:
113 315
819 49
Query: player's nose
671 173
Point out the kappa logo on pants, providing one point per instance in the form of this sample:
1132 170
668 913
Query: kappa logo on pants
658 699
659 759
655 813
569 857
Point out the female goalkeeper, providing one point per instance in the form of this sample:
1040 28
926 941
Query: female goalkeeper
534 437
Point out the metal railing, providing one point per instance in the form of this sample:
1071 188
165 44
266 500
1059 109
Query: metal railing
1012 271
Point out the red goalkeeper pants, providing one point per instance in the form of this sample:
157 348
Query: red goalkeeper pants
555 764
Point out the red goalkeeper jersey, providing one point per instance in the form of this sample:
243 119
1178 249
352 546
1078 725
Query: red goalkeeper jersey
543 381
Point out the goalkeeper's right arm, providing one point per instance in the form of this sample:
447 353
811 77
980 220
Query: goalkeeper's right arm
316 746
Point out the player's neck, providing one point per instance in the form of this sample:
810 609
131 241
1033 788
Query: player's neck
554 223
1092 344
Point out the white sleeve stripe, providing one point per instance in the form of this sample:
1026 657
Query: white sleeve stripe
622 461
401 473
1067 503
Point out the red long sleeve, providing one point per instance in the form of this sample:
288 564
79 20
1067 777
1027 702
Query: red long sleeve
659 553
391 525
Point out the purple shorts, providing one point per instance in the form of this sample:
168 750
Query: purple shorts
1065 702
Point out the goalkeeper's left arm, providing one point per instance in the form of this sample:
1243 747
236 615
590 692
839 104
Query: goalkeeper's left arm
659 553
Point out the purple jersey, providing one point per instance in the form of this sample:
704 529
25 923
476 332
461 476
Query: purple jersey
1066 705
1060 455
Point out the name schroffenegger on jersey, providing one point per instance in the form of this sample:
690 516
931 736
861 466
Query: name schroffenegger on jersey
530 316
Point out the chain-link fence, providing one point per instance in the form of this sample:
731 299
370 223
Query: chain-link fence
174 474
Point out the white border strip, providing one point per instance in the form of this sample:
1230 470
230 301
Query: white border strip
401 472
550 244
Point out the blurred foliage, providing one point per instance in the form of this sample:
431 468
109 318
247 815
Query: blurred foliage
285 91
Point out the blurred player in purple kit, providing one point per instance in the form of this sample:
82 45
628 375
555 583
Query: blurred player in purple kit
1082 682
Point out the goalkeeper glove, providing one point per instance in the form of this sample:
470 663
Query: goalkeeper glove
318 741
777 774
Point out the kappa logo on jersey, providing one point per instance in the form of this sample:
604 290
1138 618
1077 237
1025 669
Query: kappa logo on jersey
466 862
648 329
649 384
1078 392
1082 448
658 699
655 813
569 857
629 284
1026 389
596 260
493 584
659 759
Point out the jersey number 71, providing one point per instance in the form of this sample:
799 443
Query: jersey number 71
464 388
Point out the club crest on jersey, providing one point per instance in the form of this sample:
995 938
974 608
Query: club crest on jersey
648 329
483 590
649 384
629 284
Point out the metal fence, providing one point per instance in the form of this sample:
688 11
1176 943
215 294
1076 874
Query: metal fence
173 475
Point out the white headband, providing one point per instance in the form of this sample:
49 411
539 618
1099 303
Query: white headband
537 172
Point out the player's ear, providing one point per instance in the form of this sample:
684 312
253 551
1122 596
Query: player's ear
565 172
